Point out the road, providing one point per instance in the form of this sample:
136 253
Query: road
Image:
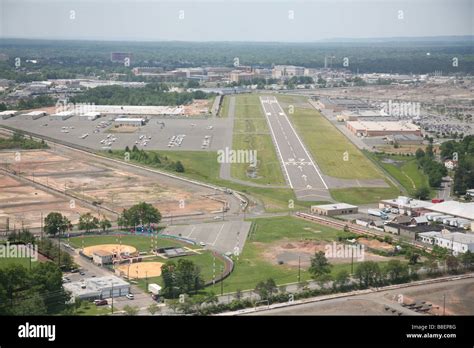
301 172
376 303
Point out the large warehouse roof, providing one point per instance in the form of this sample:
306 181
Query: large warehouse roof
383 126
464 210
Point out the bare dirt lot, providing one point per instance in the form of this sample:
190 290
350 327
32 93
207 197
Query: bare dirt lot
141 269
22 205
116 188
292 252
112 248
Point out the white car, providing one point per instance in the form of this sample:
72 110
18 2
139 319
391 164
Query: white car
130 296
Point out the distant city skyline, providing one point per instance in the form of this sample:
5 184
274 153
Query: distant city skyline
234 20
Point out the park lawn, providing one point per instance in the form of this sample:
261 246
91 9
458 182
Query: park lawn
364 195
224 111
334 153
251 267
141 243
251 133
405 171
88 308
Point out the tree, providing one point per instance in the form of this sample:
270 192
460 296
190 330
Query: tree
88 222
153 309
412 258
130 310
56 222
140 214
467 259
396 271
422 193
452 264
368 273
105 224
341 280
188 276
265 289
179 167
419 154
319 265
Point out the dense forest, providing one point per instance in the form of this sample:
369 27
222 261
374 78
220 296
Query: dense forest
66 59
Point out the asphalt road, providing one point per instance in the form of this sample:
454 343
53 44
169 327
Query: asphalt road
301 172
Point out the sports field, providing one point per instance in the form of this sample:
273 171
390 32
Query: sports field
251 133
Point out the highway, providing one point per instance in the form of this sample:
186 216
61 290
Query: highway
300 171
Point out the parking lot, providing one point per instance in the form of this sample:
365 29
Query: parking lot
222 236
157 134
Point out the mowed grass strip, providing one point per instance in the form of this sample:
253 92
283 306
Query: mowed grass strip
405 170
252 268
330 148
224 110
364 195
251 133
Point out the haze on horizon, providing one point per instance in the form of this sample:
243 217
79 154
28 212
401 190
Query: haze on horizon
233 20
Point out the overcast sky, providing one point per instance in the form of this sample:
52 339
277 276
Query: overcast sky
234 20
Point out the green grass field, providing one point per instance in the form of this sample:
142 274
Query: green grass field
251 133
224 111
405 170
251 266
141 243
364 195
328 147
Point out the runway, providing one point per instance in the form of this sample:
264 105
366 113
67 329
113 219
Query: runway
301 172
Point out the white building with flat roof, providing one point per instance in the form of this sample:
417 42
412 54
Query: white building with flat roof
126 121
334 209
98 288
454 208
457 242
406 205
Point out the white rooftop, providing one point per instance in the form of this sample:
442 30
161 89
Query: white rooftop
336 206
464 210
458 237
94 286
407 202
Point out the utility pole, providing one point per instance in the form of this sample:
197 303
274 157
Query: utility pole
299 268
444 304
112 297
222 280
352 260
59 247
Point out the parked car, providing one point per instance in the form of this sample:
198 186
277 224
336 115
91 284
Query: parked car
82 273
130 296
101 302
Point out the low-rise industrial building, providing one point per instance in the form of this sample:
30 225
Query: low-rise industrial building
89 116
98 288
457 242
454 208
371 128
125 121
61 116
407 205
102 257
7 114
334 209
34 115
